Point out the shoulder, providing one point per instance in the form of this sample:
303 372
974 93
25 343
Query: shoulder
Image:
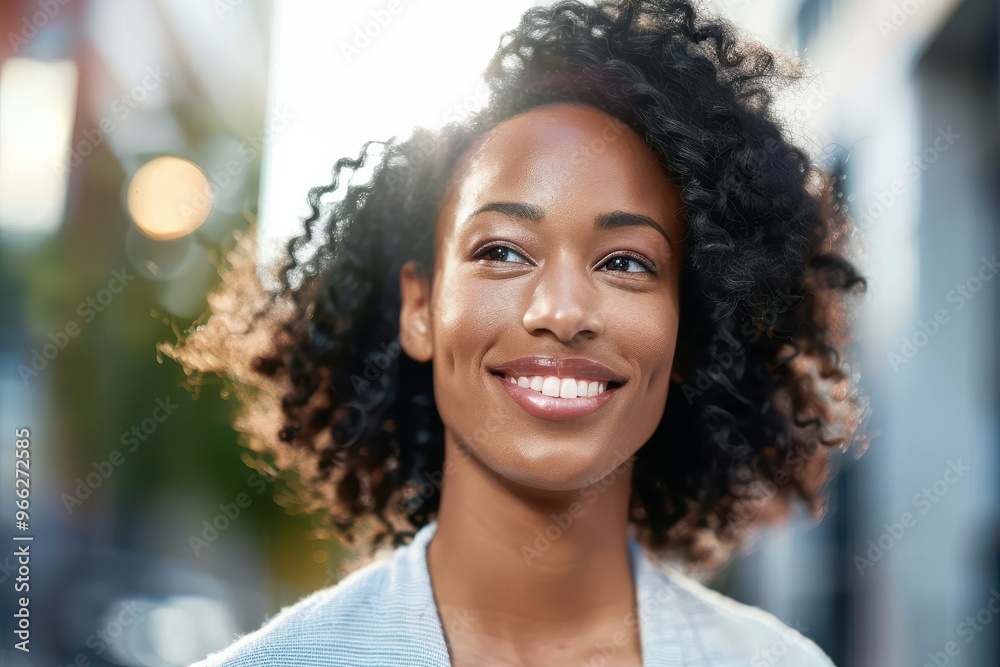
304 633
734 630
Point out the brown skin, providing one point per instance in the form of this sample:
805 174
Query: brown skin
506 597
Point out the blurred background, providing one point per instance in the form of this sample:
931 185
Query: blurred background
153 544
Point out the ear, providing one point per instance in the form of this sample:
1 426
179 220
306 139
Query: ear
414 316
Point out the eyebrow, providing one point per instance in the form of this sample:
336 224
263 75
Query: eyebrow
613 220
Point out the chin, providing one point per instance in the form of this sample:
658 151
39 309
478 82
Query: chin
555 467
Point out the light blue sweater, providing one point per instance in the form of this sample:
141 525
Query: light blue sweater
384 615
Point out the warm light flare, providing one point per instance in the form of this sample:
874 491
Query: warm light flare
169 197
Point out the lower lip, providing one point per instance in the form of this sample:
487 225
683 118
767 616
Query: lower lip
539 405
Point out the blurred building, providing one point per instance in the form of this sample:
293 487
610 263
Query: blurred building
131 136
904 569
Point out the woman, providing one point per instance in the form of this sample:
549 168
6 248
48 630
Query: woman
596 323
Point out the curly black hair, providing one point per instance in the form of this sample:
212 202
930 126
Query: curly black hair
327 393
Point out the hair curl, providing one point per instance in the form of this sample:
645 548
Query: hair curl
315 358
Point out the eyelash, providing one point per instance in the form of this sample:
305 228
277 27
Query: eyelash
646 264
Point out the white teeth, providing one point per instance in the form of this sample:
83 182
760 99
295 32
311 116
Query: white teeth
558 387
567 388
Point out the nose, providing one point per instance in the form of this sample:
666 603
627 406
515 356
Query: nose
565 302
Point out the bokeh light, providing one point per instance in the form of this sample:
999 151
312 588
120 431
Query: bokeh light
169 197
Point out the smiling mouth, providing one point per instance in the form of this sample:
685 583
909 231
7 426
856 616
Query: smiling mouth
555 387
567 404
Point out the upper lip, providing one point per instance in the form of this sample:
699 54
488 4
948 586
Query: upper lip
579 368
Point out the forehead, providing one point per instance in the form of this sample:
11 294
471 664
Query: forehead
565 158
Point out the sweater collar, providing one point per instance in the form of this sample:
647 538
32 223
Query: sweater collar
664 628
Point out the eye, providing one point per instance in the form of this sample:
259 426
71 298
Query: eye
496 252
623 260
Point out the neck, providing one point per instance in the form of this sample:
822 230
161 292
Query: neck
531 567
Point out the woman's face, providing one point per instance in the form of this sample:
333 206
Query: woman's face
530 261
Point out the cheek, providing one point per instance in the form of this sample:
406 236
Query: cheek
651 343
469 316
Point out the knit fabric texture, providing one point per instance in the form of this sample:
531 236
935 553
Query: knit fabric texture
384 615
